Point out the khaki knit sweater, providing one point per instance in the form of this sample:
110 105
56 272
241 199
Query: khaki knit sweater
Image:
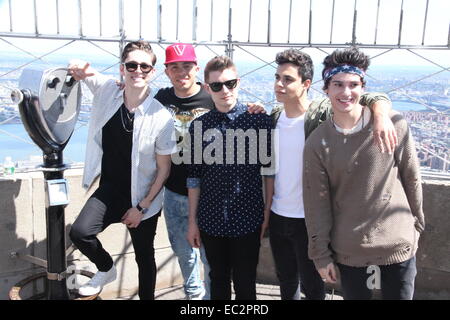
362 207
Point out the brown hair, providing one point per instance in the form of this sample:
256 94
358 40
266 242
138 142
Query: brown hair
218 63
138 45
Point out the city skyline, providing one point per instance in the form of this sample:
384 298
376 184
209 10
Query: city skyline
430 130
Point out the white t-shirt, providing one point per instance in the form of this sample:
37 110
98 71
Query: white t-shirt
288 194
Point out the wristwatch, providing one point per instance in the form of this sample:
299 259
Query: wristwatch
141 210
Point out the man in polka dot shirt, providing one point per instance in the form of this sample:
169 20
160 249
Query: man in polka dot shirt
229 147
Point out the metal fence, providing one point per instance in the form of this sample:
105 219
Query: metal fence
236 22
240 29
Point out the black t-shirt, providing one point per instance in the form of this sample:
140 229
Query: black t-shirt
183 110
117 141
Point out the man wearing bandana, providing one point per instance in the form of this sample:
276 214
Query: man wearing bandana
363 208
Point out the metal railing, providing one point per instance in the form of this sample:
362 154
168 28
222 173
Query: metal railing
168 13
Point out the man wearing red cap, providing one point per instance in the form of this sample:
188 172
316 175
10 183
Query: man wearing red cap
186 100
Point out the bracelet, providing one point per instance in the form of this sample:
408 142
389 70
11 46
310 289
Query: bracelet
139 208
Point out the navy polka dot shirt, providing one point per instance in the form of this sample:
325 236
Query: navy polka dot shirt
231 199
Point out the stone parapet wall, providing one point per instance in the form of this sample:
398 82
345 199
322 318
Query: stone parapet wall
23 229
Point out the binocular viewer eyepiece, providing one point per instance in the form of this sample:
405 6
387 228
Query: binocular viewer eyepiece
49 103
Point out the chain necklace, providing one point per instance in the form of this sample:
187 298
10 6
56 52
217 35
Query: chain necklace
129 115
127 123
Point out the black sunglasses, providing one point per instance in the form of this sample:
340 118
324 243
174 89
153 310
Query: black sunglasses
132 67
217 86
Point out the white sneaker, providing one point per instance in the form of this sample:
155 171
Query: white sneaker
97 282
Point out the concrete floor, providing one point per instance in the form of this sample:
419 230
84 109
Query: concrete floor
263 292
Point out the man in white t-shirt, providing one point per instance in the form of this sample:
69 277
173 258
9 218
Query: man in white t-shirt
288 236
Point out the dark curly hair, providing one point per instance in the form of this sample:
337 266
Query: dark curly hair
350 56
300 59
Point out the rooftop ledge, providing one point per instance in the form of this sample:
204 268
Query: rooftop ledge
23 229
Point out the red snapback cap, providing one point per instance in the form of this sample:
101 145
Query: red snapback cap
180 52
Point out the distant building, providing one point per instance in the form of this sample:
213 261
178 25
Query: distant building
437 163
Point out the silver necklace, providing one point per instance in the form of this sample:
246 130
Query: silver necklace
130 120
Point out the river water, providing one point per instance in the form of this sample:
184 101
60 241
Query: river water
23 148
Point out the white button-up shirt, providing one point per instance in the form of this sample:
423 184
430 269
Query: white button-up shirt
153 133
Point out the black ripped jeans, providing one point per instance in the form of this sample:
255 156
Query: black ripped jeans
101 210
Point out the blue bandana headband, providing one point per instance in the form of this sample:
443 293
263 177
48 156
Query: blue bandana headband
343 69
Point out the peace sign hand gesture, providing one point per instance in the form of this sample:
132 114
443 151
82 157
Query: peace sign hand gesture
80 70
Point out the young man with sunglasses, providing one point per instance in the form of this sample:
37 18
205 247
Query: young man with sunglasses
130 140
225 187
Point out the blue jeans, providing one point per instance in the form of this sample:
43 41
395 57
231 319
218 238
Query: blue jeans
176 215
295 271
